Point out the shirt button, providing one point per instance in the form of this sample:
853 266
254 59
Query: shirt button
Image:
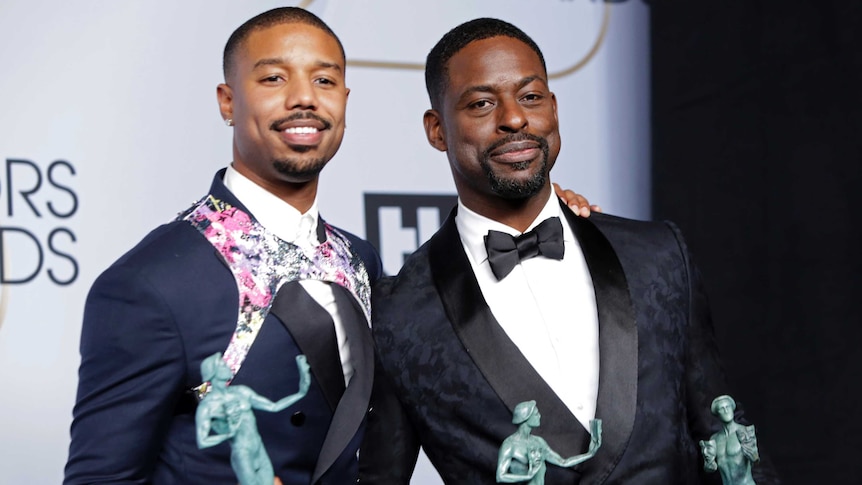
298 419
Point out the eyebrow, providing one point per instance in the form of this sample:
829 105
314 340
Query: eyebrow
275 61
485 88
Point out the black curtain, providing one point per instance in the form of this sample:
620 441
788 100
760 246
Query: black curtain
757 155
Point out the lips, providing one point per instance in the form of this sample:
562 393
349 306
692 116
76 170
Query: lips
302 130
514 152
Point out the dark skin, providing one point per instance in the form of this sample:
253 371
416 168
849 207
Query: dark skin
498 120
286 71
294 71
576 202
287 98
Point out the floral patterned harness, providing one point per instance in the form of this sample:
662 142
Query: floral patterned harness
261 262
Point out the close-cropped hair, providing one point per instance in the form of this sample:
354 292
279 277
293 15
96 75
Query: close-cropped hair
276 16
437 63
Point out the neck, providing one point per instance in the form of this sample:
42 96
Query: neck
515 213
300 195
728 427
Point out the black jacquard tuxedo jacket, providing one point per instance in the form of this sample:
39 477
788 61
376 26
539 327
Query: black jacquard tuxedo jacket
449 376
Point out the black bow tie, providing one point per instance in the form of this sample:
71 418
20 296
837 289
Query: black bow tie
505 250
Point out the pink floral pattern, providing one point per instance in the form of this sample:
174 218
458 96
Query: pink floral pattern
261 262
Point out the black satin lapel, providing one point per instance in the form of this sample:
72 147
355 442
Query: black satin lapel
352 408
618 346
295 308
321 231
497 357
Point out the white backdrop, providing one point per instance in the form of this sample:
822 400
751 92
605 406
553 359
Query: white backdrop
109 126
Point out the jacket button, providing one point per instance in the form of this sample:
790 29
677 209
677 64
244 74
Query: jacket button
298 418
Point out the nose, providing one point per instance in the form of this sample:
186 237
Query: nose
300 94
511 118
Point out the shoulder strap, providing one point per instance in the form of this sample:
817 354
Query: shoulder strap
261 263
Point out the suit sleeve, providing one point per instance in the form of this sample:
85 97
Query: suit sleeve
131 375
705 377
390 447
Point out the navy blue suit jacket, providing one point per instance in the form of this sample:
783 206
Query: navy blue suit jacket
449 376
149 321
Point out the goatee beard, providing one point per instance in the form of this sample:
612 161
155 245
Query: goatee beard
511 188
301 170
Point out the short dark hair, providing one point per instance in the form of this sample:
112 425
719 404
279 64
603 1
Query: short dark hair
276 16
436 65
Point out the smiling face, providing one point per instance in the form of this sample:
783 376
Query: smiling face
497 122
287 98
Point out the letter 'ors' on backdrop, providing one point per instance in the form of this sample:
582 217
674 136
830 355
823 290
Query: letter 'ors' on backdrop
110 127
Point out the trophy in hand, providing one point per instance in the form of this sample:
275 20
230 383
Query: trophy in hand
523 456
732 450
225 414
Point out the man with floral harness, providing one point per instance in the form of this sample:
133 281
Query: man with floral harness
251 271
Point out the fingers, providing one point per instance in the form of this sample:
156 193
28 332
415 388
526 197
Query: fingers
578 204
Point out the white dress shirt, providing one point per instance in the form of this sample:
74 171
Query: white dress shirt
547 307
283 220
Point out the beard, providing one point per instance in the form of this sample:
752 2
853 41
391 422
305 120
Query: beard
511 188
299 169
295 167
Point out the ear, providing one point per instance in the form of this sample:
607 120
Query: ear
224 93
346 96
434 130
554 102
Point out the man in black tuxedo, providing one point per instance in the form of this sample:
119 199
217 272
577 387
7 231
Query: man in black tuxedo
514 299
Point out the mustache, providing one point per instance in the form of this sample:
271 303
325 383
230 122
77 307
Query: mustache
516 137
307 115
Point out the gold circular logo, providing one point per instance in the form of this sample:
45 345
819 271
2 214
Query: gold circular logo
418 66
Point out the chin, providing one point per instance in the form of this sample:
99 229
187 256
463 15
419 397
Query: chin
522 184
518 189
300 171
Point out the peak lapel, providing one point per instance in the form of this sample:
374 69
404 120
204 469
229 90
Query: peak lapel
497 357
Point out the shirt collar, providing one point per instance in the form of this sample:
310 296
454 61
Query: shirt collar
473 227
276 215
